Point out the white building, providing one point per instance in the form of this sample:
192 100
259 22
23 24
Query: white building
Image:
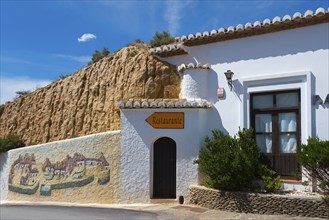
280 87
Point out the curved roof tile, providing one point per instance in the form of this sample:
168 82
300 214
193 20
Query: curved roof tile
168 50
239 27
297 15
276 24
213 32
266 22
230 29
298 19
286 18
181 68
165 103
276 20
221 30
308 14
320 11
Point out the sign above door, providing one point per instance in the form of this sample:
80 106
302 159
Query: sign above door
166 120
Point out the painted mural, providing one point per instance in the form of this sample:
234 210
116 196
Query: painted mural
78 170
28 176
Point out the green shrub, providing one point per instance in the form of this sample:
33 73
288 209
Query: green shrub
229 163
22 93
9 142
269 177
99 55
314 156
161 39
233 163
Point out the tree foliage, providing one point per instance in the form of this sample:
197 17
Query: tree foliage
161 39
9 142
99 55
22 93
314 156
233 163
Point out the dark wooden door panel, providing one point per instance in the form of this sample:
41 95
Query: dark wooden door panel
164 170
284 164
288 164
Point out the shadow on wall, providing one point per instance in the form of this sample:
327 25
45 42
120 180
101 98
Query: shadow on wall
214 120
314 107
263 46
212 86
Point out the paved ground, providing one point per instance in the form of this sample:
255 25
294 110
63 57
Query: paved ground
135 211
61 213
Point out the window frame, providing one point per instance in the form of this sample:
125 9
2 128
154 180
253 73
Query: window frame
275 111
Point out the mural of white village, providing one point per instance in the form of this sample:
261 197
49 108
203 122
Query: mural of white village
28 176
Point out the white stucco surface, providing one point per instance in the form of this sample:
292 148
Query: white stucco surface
137 138
194 84
4 174
267 57
284 60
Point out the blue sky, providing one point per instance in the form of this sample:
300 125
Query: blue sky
41 40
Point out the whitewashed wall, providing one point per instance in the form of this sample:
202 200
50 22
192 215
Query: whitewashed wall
137 139
292 59
4 175
296 58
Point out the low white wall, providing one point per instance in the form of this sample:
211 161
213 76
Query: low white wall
79 170
137 139
4 174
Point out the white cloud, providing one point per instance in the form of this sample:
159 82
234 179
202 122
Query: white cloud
10 85
86 37
174 11
81 59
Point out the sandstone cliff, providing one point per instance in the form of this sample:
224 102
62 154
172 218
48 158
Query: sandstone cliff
85 102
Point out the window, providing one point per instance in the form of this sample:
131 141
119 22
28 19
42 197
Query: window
275 117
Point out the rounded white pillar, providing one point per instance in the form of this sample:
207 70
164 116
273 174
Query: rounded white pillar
194 84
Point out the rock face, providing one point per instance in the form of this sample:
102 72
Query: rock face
86 101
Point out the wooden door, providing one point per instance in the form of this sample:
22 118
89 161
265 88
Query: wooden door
164 168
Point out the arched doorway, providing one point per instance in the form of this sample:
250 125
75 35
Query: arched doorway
164 168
